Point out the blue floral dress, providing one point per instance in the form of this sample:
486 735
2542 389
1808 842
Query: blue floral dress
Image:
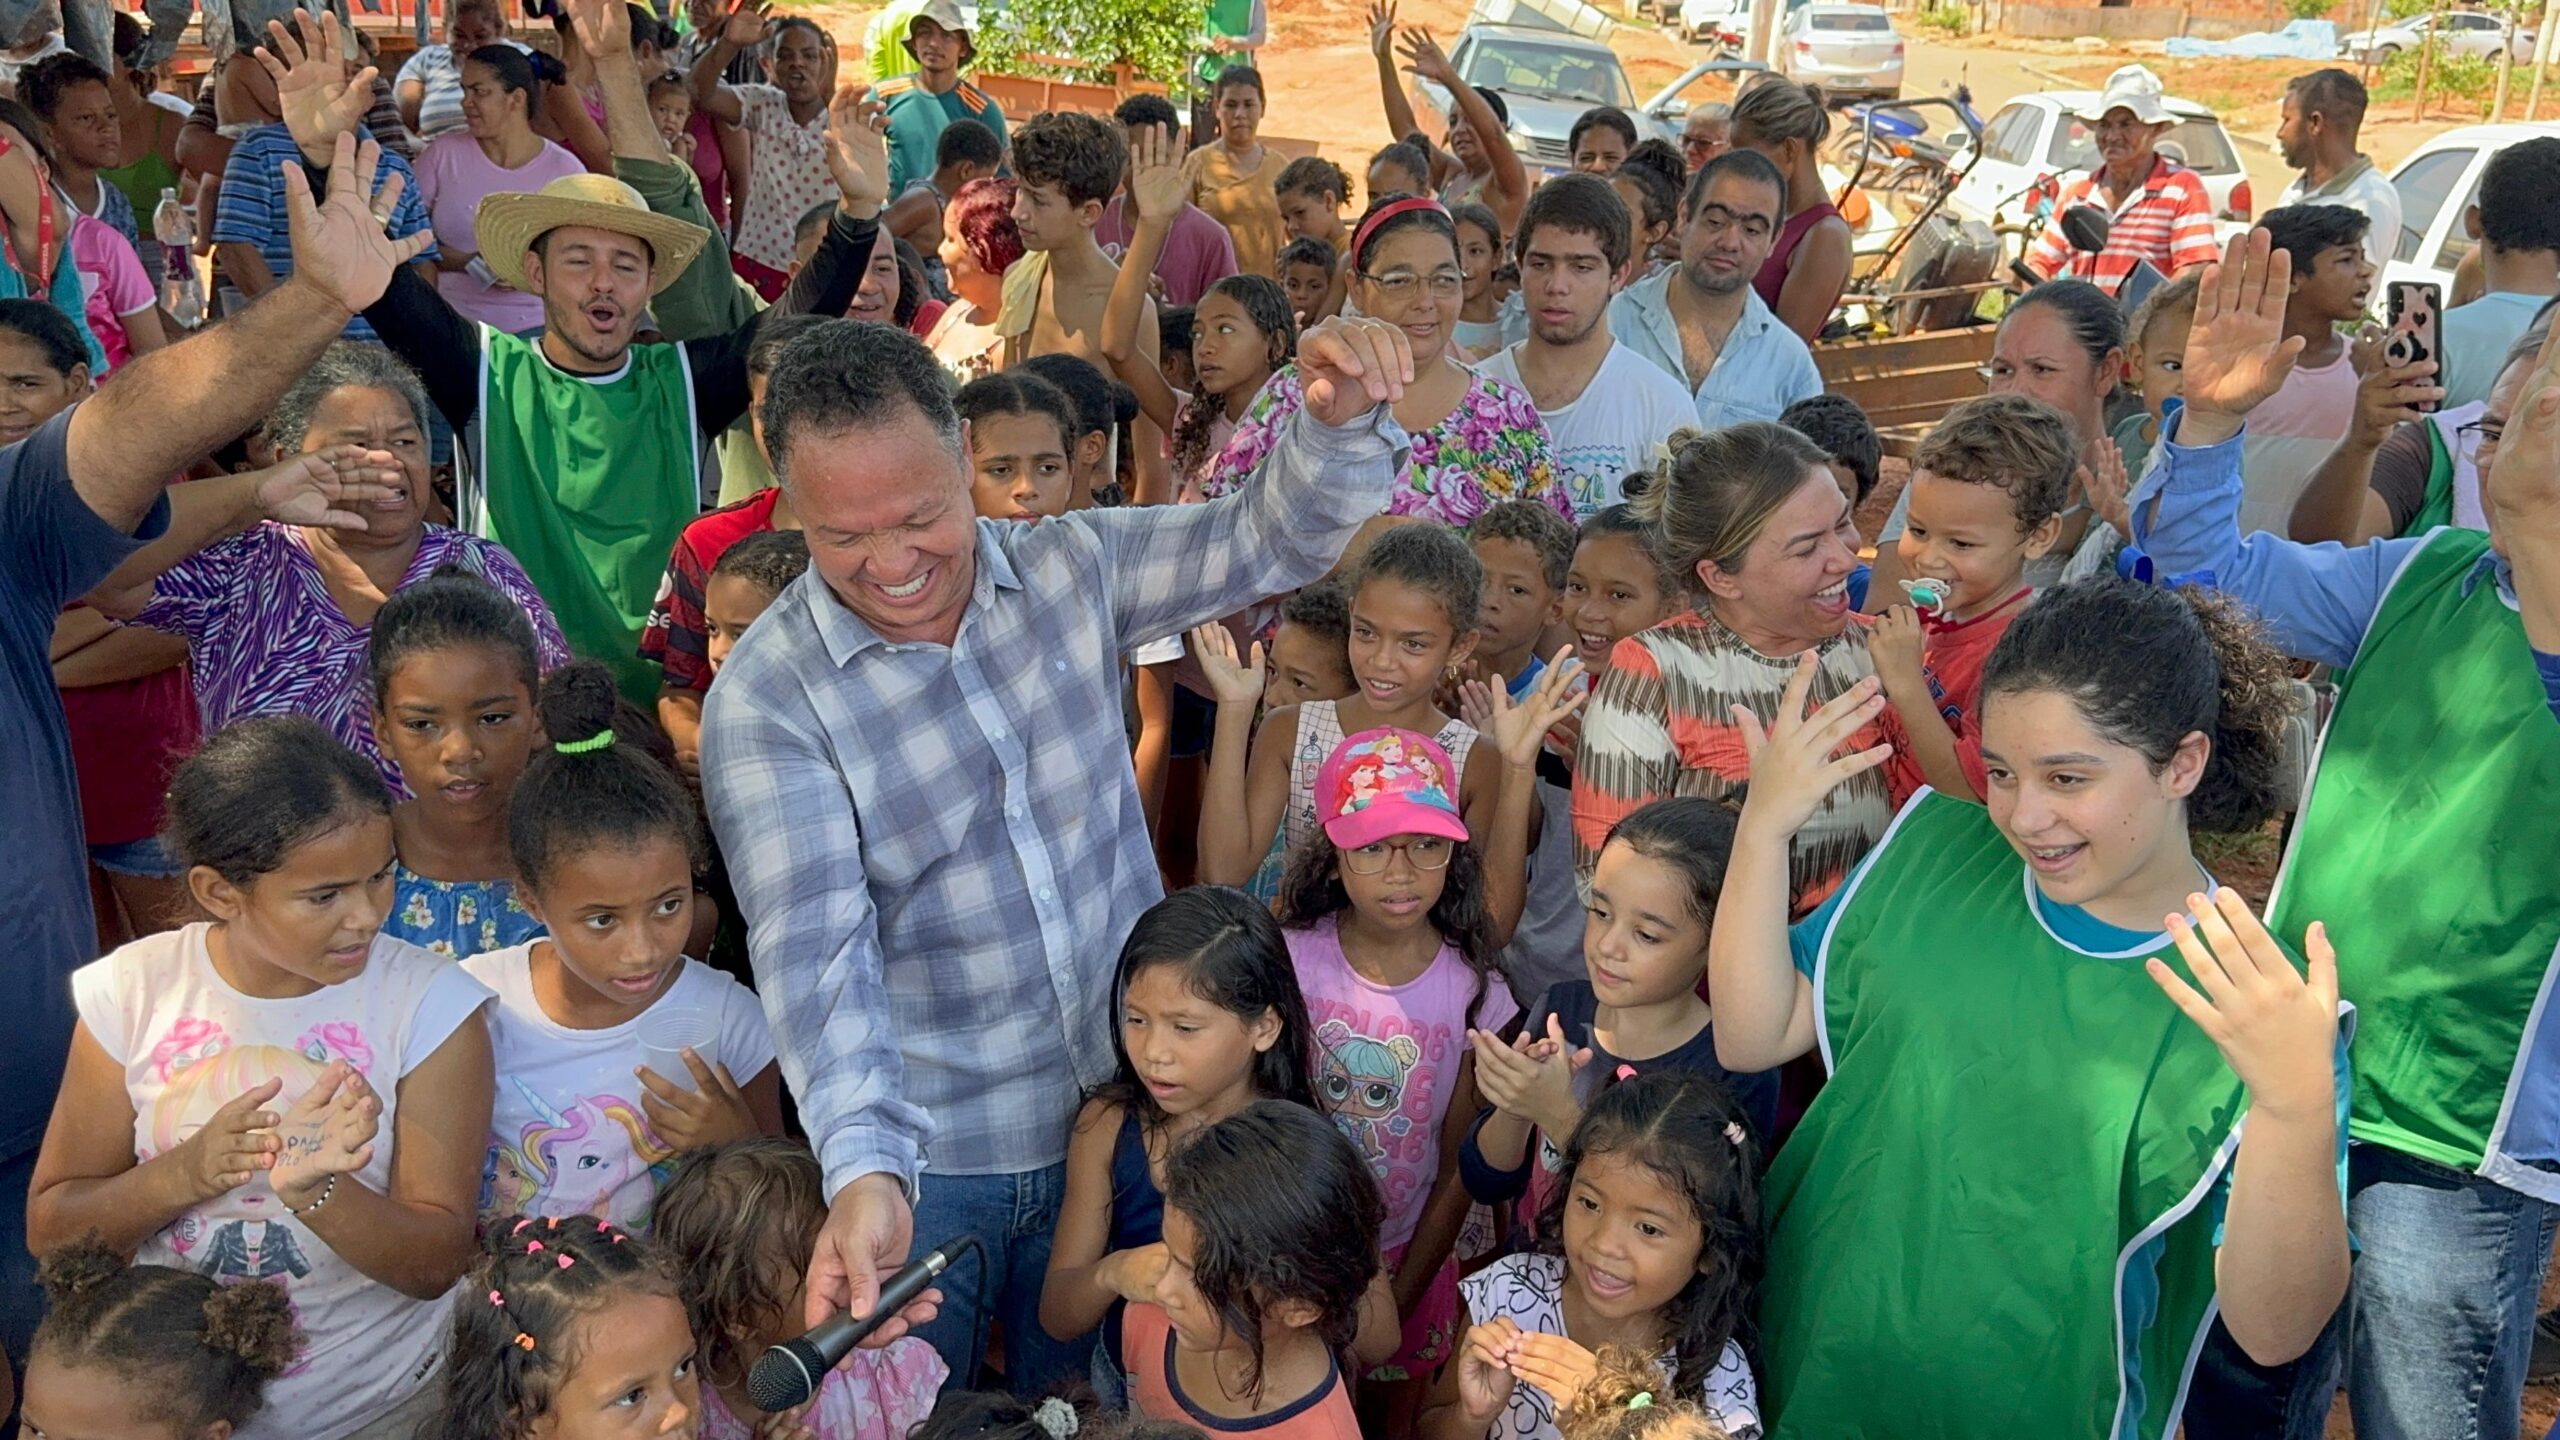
457 918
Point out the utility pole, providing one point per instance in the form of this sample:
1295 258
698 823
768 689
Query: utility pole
2506 67
2542 47
2426 54
1764 32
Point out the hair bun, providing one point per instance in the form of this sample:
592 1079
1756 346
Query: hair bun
577 702
252 1321
79 1268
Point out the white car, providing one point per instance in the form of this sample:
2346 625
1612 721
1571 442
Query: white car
2437 183
1703 21
1850 50
2463 32
2041 137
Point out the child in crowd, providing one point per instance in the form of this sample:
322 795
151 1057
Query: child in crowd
1987 491
454 674
1310 660
751 575
671 106
283 1092
1526 550
1480 252
1618 584
788 122
569 1328
1625 1400
965 151
150 1352
1020 456
1383 906
1854 452
1662 158
1654 202
2156 354
738 1223
1311 275
1069 166
1312 192
1402 168
1241 331
1210 1021
1639 1006
1173 346
2005 1013
2296 428
1650 1240
1105 410
1271 1227
619 1053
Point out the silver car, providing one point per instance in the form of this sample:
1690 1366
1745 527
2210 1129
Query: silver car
2458 32
1850 50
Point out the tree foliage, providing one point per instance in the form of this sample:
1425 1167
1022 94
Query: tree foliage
1160 39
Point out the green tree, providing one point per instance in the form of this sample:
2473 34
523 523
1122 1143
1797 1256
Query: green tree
1157 38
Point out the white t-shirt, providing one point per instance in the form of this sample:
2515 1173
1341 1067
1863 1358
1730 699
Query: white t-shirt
567 1134
1609 431
2363 187
1530 1290
189 1043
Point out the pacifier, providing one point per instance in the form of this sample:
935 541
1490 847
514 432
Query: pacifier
1929 597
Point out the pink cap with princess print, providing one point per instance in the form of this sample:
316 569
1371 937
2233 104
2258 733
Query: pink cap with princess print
1384 782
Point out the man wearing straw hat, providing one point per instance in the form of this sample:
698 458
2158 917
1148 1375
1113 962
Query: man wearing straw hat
2159 210
582 449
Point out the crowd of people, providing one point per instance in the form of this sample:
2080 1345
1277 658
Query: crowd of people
710 677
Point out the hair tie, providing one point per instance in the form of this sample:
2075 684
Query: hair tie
498 1300
588 746
520 1224
1058 1418
1626 1072
1663 457
1733 1131
524 1341
1389 211
533 1247
1641 1400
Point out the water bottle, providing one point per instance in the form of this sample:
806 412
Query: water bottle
175 228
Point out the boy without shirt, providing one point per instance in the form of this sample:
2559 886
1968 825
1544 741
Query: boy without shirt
1069 167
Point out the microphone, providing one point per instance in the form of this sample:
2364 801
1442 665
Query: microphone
791 1372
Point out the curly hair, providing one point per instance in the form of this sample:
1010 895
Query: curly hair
537 1279
1433 560
2146 667
1079 156
740 1220
1313 175
201 1352
1266 305
2013 441
1628 1400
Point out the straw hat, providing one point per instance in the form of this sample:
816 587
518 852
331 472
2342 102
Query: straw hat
510 221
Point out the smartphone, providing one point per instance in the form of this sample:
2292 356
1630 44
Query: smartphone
2417 327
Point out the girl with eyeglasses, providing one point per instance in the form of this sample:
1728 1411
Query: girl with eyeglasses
1476 441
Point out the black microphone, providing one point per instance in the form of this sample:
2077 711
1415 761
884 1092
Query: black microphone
790 1373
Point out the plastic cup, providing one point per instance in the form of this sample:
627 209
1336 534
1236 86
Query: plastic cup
665 1034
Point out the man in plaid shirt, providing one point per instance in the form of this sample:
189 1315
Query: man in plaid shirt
917 769
2159 211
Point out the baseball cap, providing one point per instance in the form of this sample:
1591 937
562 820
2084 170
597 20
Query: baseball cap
1384 782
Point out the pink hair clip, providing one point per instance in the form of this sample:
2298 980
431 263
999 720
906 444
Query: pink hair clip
1733 1131
533 1248
498 1300
520 1224
1626 1072
564 1262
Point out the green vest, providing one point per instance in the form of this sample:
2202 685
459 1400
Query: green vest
1227 19
2425 842
2008 1121
2438 509
588 484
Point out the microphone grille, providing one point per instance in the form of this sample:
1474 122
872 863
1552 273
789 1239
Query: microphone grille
788 1375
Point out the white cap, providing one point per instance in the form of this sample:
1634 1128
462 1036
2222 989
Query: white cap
2132 88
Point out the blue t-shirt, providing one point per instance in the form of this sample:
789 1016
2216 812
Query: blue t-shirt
252 211
53 549
2139 1299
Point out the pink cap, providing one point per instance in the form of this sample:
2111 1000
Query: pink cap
1387 782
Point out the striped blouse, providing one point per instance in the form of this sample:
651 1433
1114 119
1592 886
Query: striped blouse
1660 725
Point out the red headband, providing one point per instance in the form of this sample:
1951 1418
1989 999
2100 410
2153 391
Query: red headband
1387 212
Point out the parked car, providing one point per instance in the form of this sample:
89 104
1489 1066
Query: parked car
1703 22
2041 137
1547 79
2437 183
2460 32
1850 50
1711 81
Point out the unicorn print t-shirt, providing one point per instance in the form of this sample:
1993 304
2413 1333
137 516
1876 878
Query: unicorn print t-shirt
567 1134
189 1043
1387 1060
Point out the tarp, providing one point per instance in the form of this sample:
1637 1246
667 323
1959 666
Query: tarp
2300 40
1573 16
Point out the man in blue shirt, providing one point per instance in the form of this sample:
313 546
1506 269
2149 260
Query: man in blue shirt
251 242
77 497
1700 320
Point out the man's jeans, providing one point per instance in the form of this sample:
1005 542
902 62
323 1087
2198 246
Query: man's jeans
1013 1217
2447 1275
2235 1398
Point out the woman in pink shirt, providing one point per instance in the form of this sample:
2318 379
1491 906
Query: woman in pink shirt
496 150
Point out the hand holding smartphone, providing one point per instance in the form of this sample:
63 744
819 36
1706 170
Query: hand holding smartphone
2417 329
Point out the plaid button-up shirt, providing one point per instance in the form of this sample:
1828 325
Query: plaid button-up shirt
939 850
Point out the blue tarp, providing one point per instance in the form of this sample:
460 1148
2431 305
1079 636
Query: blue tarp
2301 40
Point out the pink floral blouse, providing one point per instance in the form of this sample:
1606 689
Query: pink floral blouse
1492 448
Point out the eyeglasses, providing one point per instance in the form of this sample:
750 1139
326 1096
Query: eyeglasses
1426 852
1404 284
2479 437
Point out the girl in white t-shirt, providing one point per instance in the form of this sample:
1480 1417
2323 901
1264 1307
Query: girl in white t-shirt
284 1093
615 1053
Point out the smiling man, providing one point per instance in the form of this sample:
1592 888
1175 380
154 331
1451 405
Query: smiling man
1700 320
917 769
581 449
2159 211
1605 408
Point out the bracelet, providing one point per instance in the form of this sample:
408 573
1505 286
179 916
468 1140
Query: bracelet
328 1188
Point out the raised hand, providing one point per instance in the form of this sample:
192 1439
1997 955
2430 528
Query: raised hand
713 1112
1485 1380
340 247
2523 482
1157 185
1555 1364
1350 367
1424 57
745 27
2237 353
1232 681
603 27
2275 1025
232 1147
323 489
2103 480
1519 729
858 148
1382 27
1795 762
328 1131
316 96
